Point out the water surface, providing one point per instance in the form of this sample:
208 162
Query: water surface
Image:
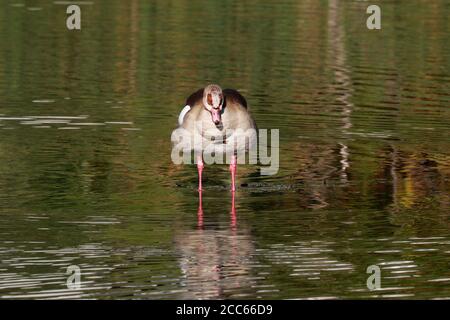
86 177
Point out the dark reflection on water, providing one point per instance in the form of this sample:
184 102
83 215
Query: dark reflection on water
85 171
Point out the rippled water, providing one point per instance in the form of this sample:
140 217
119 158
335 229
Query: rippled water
86 177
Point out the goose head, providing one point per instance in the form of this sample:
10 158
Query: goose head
213 102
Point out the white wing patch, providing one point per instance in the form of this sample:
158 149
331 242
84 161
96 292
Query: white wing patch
183 112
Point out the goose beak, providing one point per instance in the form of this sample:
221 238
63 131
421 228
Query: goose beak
216 117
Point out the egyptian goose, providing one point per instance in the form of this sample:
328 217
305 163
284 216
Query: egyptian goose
220 121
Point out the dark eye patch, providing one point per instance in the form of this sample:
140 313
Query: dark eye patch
209 98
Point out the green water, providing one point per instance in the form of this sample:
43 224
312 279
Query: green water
86 177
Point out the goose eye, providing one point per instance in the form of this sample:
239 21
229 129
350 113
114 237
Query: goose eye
209 99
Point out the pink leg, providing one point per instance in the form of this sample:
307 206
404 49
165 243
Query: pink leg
233 166
200 170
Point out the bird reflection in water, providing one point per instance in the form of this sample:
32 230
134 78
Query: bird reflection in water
232 213
216 261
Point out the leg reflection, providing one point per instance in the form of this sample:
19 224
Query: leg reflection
233 212
233 223
200 211
215 259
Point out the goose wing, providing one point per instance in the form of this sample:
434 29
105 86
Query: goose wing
233 96
191 101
